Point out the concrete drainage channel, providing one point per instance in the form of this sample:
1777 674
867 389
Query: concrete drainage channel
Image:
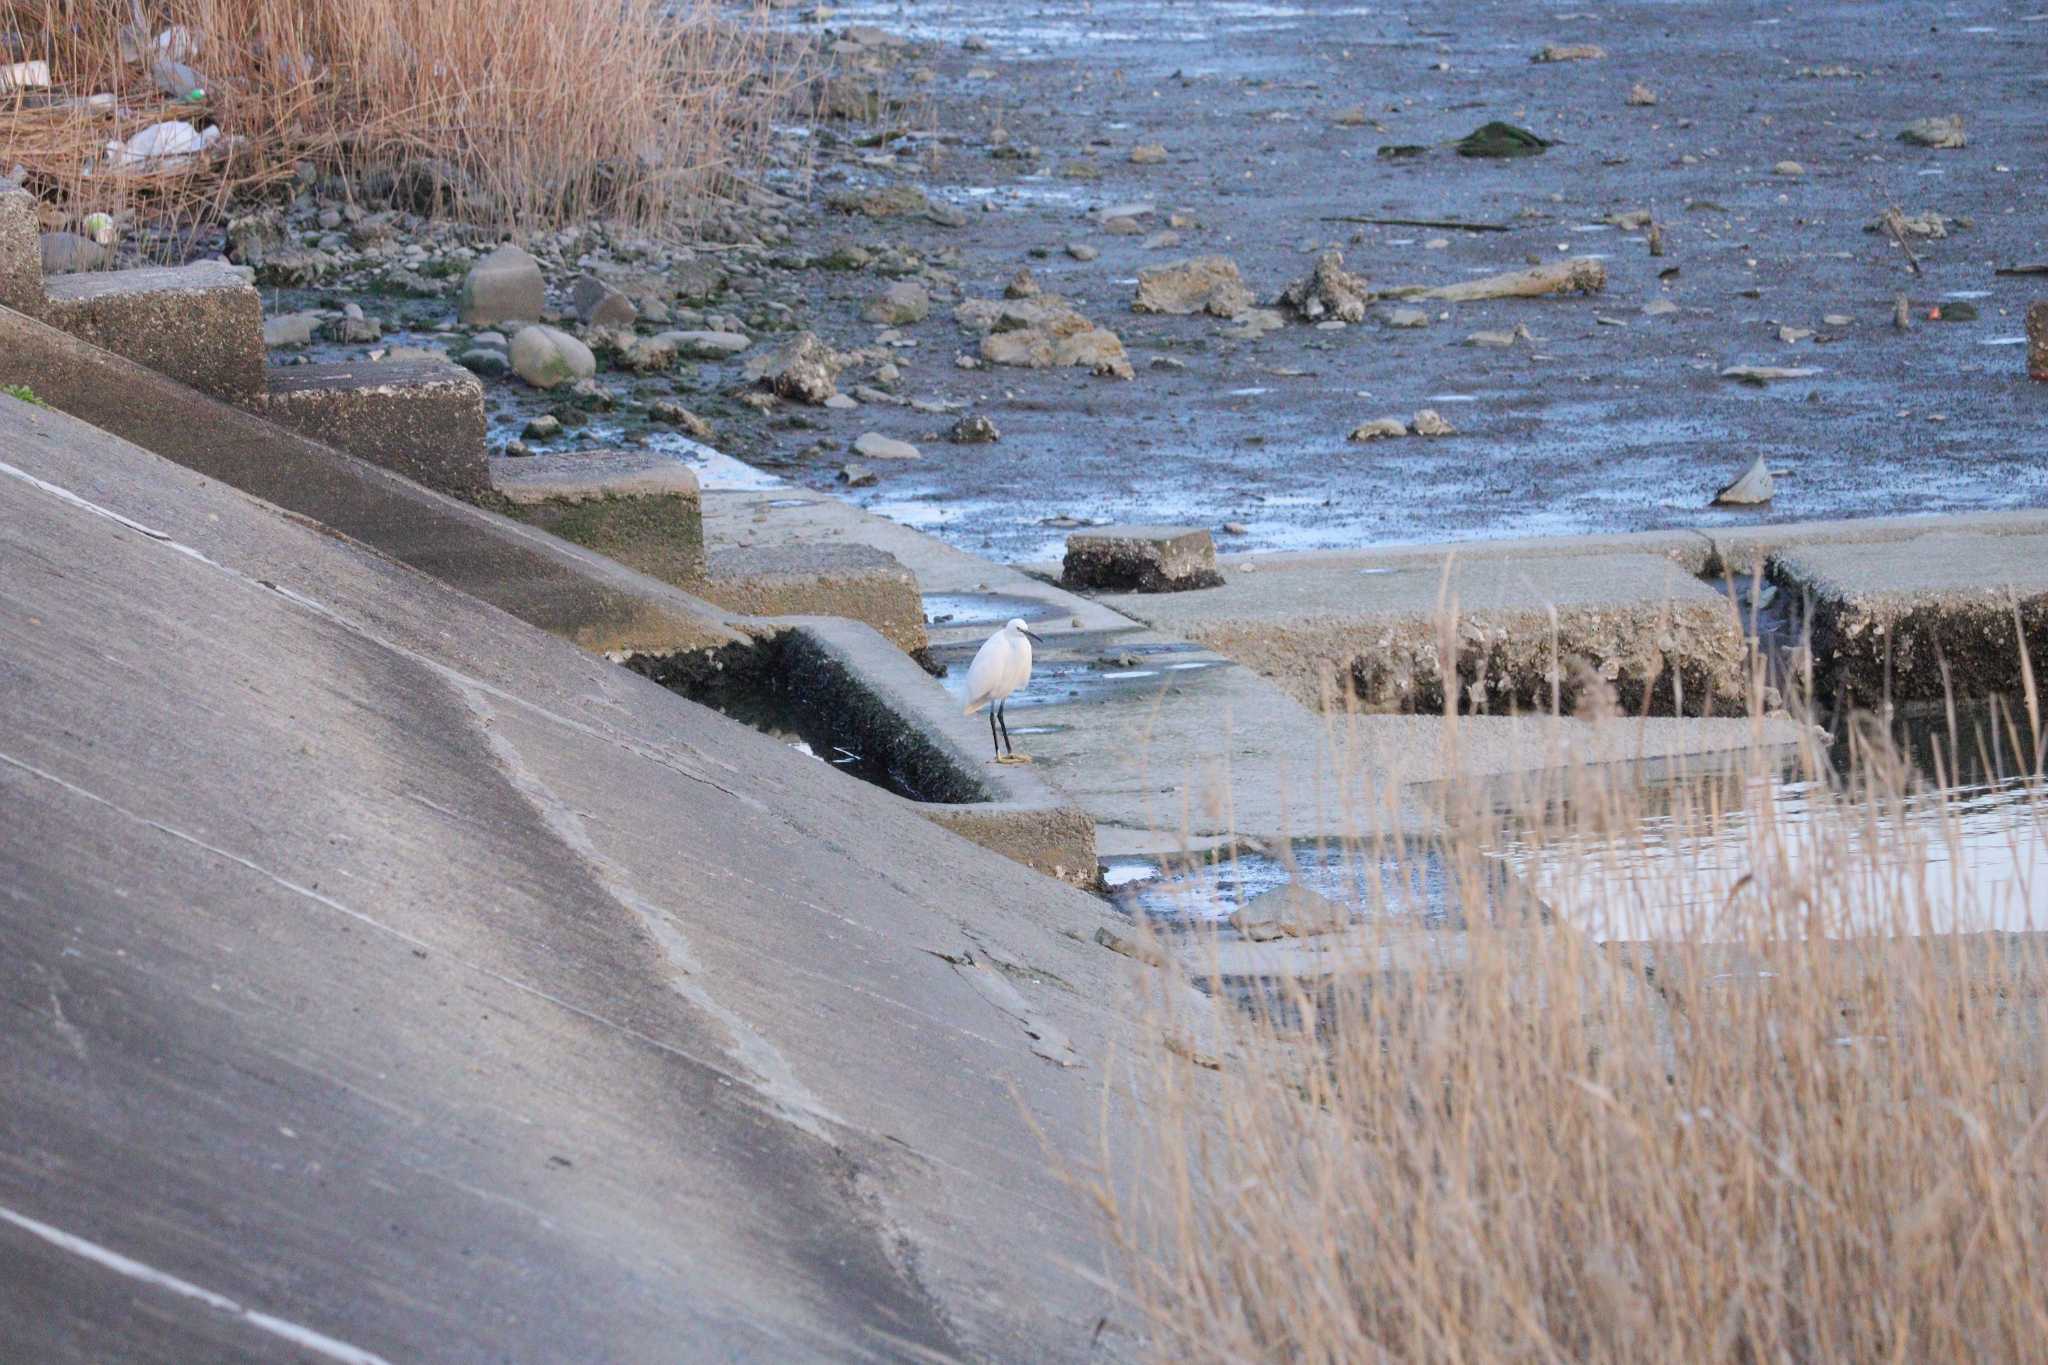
859 703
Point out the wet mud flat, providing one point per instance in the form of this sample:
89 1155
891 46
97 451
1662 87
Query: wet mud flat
1604 416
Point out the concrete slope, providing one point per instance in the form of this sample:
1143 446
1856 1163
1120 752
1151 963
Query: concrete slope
383 977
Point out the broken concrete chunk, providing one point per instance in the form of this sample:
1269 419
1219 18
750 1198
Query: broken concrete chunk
1753 487
639 507
1943 131
1205 284
1141 559
1042 333
1427 422
803 369
875 446
1379 429
1328 291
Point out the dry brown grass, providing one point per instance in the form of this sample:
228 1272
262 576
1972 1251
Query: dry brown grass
509 112
1771 1118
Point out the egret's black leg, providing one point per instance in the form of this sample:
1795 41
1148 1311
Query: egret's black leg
992 742
1001 715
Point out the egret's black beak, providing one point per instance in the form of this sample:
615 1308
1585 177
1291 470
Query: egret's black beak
1031 635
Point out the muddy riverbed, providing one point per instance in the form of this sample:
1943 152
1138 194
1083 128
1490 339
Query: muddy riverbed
1604 418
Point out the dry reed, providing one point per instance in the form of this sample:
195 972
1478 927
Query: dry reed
1766 1086
518 113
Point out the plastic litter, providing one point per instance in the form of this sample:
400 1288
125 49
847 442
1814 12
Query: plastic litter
25 76
167 146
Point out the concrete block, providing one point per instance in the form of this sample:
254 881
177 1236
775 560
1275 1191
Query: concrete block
1141 559
201 325
21 269
853 581
422 418
1905 620
638 507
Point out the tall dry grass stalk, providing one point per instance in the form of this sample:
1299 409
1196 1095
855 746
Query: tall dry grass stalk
1747 1066
509 112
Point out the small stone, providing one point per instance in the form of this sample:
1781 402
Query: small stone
1640 94
597 304
1793 335
1290 911
1658 308
876 446
856 475
1081 251
355 331
485 362
65 253
546 357
1570 52
1837 319
1205 284
1902 312
676 415
1943 131
505 286
1353 117
1236 528
542 428
842 402
1022 285
290 329
1405 317
1754 486
1162 241
901 304
892 201
708 345
1379 429
1121 227
1148 154
1428 422
1329 290
1788 168
972 431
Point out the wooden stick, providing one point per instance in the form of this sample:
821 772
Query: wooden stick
1580 275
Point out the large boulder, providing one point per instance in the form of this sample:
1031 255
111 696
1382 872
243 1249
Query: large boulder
505 286
547 357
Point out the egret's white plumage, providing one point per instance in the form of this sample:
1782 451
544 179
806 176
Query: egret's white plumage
1000 667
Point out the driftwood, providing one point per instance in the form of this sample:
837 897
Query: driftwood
1580 275
2035 268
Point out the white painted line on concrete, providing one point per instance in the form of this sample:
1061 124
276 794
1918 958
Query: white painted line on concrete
317 1342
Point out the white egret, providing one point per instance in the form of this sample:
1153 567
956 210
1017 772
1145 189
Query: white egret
1002 665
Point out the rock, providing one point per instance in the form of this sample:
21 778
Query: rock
1022 285
294 267
1500 339
1352 117
856 475
1640 94
708 345
1141 559
1122 227
676 415
597 304
1205 284
1788 168
1147 154
505 286
1836 319
1427 422
1379 429
841 402
876 446
1658 308
1629 220
589 395
1502 140
804 369
1764 374
1236 528
1902 313
901 304
1290 911
649 355
1793 335
696 280
1251 325
1755 486
1926 223
1570 52
1328 291
547 357
867 393
1081 251
354 331
486 362
66 253
542 428
290 329
849 98
1133 210
1161 241
973 431
890 201
1041 333
1944 130
1405 317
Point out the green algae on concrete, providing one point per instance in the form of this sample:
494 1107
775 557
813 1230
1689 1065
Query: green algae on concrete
638 507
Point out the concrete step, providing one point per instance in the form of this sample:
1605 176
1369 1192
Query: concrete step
857 582
422 418
638 507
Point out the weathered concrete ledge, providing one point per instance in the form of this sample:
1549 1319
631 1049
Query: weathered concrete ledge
422 418
1947 613
201 324
639 507
858 582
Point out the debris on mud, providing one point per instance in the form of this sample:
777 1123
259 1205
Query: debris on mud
803 369
1502 140
1405 317
1942 131
1329 290
875 446
1428 422
973 431
856 475
1570 52
1926 223
1640 94
1203 284
1500 339
1579 275
1754 486
1379 429
1042 333
1764 374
